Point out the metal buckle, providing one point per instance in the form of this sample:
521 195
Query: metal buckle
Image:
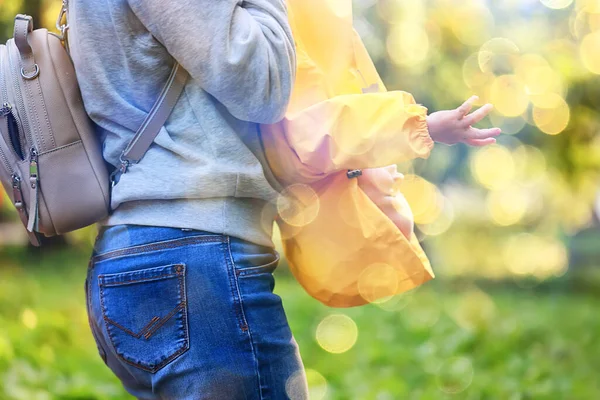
59 21
353 173
33 76
115 176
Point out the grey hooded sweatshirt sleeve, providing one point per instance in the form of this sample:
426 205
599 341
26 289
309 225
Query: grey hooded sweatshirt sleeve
206 169
242 52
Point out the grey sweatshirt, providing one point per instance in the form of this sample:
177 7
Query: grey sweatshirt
206 169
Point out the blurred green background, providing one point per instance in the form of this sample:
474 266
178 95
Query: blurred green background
512 230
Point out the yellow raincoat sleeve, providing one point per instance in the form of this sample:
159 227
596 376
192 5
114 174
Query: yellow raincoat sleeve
359 131
340 115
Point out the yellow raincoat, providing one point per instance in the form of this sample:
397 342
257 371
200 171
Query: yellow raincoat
340 246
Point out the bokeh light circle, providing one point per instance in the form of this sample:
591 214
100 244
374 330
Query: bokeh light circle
527 254
472 23
475 311
509 125
509 95
589 6
507 207
557 4
296 385
423 197
398 302
473 76
442 223
29 318
455 375
408 44
298 205
537 75
317 385
378 282
337 333
493 167
551 114
588 50
530 163
497 54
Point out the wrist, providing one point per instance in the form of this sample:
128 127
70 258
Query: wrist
432 128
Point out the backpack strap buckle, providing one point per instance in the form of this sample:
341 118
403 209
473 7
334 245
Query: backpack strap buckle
23 27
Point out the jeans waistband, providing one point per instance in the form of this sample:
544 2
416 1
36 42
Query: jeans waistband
117 237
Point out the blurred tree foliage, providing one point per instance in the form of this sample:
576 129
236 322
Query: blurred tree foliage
515 208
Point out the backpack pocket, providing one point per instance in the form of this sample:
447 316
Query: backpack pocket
11 130
15 135
145 315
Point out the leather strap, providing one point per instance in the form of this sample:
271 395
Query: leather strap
23 26
34 237
157 117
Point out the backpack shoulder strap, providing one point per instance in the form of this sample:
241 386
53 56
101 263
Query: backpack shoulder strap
153 123
157 117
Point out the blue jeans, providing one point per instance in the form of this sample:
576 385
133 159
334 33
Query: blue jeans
186 314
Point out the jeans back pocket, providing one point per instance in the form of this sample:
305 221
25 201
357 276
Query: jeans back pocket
145 313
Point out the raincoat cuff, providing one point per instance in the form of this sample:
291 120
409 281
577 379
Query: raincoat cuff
422 143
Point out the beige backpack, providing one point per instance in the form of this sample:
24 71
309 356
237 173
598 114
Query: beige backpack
51 163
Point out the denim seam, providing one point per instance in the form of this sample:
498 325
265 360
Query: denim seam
154 278
236 300
166 244
184 310
250 271
91 323
156 367
252 346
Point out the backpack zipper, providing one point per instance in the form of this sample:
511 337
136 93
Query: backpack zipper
15 179
32 224
19 99
2 110
5 103
6 162
7 109
17 193
33 213
3 156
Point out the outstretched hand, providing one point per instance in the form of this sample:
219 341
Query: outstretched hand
455 126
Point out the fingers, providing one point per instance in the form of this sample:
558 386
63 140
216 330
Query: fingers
467 106
478 115
476 133
398 180
480 142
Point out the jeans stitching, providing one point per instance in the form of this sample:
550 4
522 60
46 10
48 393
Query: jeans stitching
252 347
135 335
162 321
154 278
166 244
88 290
236 299
184 311
156 367
249 271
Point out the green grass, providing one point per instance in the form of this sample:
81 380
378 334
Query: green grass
442 341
